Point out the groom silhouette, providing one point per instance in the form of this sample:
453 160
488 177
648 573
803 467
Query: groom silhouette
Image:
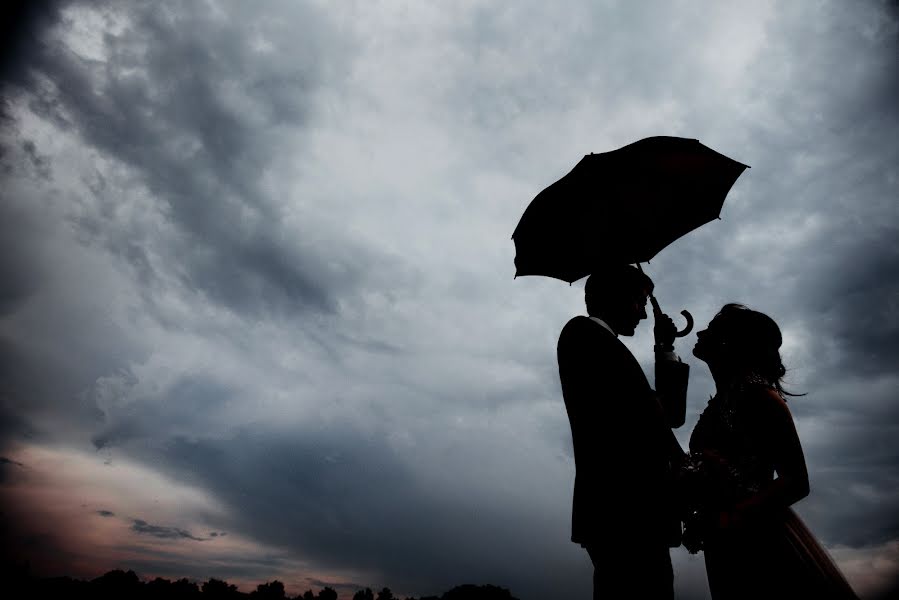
622 512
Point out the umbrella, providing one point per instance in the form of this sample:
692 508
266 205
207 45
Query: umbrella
622 206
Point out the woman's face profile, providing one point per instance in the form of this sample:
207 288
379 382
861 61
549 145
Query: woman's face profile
710 340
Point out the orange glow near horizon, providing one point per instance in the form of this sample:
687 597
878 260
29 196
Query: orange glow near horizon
74 513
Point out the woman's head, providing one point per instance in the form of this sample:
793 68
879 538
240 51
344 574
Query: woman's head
740 342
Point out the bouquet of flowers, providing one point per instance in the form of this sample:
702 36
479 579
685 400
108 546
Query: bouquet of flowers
693 490
707 484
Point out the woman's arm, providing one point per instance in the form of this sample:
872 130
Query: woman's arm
791 484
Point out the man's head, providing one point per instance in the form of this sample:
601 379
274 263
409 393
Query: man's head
617 294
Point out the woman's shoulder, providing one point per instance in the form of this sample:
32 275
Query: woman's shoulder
764 400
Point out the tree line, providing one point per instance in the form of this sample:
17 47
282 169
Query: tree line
119 584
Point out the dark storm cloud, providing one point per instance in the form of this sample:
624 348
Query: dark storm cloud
615 69
21 23
339 496
187 103
183 118
325 492
853 504
20 274
183 407
29 391
40 164
858 301
6 465
159 531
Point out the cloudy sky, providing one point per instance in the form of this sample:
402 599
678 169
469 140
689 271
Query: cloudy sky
257 310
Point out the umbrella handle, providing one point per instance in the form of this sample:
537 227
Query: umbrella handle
657 310
688 327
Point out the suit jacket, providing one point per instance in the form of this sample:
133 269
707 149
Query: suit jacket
622 437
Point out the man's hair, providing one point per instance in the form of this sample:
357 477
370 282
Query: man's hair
610 281
616 277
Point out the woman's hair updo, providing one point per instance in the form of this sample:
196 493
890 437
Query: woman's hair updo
753 340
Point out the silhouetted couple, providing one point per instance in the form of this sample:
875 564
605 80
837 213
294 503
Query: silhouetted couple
634 486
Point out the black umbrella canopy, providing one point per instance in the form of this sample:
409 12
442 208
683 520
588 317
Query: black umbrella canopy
622 206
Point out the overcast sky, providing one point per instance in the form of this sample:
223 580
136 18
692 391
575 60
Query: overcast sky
257 310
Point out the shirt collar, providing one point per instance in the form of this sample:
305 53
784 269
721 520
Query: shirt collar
605 325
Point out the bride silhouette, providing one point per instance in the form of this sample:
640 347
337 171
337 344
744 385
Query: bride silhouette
737 511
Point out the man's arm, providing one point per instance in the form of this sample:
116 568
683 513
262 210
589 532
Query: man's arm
671 375
671 386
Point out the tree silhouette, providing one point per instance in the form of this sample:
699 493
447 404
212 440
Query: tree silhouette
478 592
365 594
19 582
385 594
269 591
327 593
182 589
117 584
216 588
159 584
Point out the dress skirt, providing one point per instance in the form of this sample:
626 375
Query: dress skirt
776 558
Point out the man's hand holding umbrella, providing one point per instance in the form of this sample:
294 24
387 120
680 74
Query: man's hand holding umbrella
664 332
